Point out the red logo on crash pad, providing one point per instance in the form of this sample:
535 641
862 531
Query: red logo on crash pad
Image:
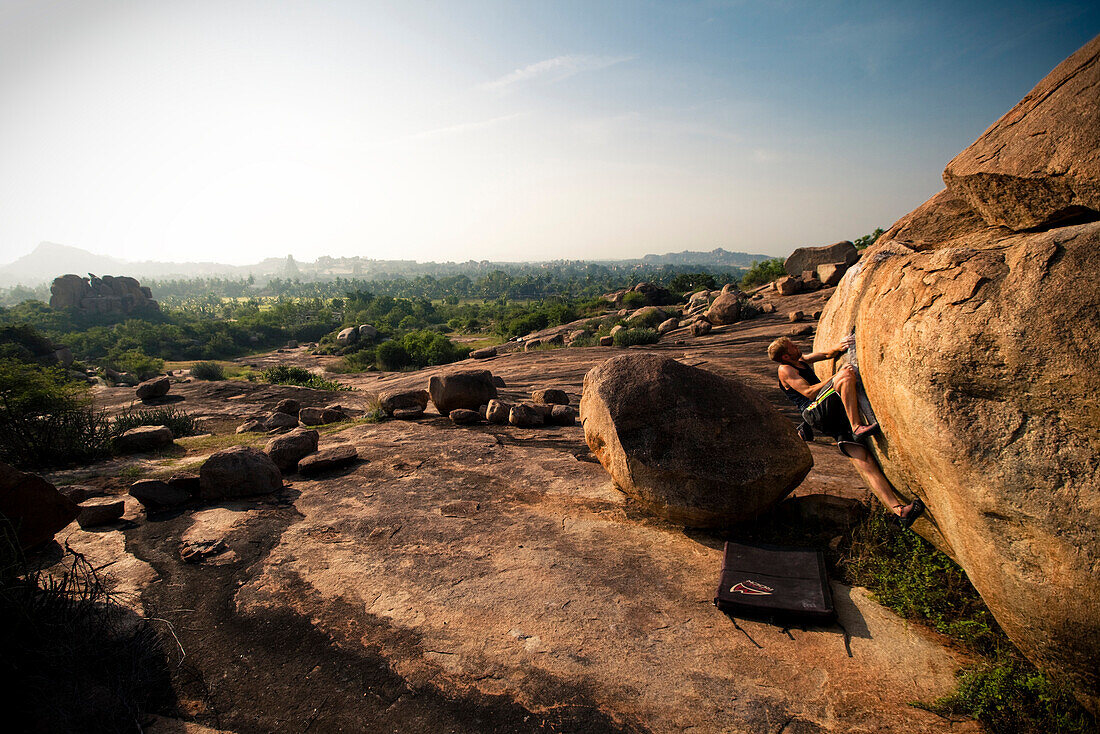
752 588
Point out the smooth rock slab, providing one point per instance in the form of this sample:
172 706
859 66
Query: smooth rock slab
334 457
688 445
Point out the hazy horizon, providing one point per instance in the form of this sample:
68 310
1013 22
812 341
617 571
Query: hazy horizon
234 132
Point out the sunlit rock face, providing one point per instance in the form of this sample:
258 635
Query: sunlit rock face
977 319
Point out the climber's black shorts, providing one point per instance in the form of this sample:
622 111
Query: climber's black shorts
826 415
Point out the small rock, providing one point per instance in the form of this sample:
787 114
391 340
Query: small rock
347 336
788 285
816 315
768 308
557 340
498 381
575 335
530 344
403 400
154 494
562 415
700 327
320 416
407 414
290 406
152 389
667 325
497 412
811 284
328 459
199 551
484 353
616 329
550 396
830 273
287 450
366 331
280 420
252 426
803 330
607 341
144 438
525 416
464 416
100 511
795 316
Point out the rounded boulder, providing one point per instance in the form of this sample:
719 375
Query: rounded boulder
240 471
688 445
469 389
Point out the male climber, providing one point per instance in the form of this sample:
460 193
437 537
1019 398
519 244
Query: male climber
836 409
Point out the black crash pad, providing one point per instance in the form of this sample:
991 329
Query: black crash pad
774 581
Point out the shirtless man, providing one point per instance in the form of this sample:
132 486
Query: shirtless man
839 409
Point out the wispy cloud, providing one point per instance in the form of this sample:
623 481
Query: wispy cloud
553 70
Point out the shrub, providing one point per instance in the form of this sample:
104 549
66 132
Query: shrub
283 374
207 371
428 348
630 337
66 636
136 363
687 282
46 420
392 356
1005 692
650 321
180 423
633 299
359 361
584 341
763 272
862 243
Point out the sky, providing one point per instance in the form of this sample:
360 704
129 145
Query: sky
232 131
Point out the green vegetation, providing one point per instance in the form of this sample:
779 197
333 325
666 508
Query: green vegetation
630 337
1004 691
46 419
862 243
763 272
67 636
287 375
690 282
211 371
180 423
136 363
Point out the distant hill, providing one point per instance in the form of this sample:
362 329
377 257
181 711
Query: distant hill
42 264
50 260
717 258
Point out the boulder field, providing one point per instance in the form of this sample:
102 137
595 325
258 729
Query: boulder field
976 318
492 577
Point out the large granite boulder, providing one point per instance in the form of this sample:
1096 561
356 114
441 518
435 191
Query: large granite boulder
688 445
977 345
240 471
468 389
808 258
33 506
726 309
